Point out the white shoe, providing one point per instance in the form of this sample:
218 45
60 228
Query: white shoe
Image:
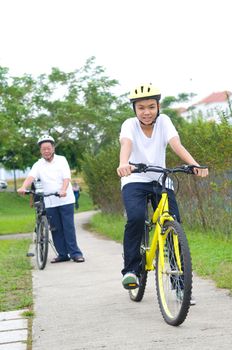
130 281
179 295
192 301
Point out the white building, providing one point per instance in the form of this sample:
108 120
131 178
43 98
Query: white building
9 174
210 107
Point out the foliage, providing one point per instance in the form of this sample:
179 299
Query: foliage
168 101
208 200
210 142
77 108
102 179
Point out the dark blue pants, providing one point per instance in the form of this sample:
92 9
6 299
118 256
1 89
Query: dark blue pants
77 195
61 221
134 198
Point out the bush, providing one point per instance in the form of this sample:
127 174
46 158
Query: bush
204 203
208 201
102 179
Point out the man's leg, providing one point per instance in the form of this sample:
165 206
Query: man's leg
134 197
56 227
67 217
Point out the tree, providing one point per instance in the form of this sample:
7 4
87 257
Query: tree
77 108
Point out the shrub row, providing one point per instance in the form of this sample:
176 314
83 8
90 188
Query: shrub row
208 201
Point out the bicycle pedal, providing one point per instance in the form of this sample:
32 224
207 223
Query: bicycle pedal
131 286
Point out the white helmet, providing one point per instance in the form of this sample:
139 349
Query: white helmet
45 138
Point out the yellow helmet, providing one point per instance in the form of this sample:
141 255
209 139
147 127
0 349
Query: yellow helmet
144 91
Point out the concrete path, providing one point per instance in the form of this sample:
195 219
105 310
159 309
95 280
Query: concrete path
83 307
13 330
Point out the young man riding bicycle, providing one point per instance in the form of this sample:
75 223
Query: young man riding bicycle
144 139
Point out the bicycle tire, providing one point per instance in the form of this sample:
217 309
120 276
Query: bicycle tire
42 236
174 284
138 293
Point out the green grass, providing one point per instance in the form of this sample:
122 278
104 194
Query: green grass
211 253
15 275
85 202
212 257
109 225
16 215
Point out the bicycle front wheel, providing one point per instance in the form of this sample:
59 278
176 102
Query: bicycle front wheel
42 243
173 274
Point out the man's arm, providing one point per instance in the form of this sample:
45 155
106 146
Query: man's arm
28 181
64 187
124 168
184 155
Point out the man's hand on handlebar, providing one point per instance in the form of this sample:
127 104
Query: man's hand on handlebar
62 193
21 190
202 172
125 169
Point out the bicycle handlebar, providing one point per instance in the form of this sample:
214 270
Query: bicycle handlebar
143 168
42 194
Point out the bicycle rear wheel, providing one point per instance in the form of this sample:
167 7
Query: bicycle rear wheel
138 293
42 242
174 276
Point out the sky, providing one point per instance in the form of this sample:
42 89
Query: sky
177 45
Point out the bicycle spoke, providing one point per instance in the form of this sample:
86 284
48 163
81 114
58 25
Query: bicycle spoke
42 243
174 275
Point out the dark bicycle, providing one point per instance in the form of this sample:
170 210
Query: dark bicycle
41 228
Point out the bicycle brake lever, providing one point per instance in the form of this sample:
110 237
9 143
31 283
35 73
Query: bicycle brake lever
189 169
139 167
142 168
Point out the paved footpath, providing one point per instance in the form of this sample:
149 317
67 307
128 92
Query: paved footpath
83 307
13 330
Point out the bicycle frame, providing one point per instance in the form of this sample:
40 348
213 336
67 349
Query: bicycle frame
160 215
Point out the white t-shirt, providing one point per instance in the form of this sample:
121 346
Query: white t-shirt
52 175
147 150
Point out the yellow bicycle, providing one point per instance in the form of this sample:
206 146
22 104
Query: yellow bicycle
164 248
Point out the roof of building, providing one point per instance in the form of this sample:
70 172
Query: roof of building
215 97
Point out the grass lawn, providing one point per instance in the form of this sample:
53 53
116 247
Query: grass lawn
211 253
212 257
15 275
16 215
